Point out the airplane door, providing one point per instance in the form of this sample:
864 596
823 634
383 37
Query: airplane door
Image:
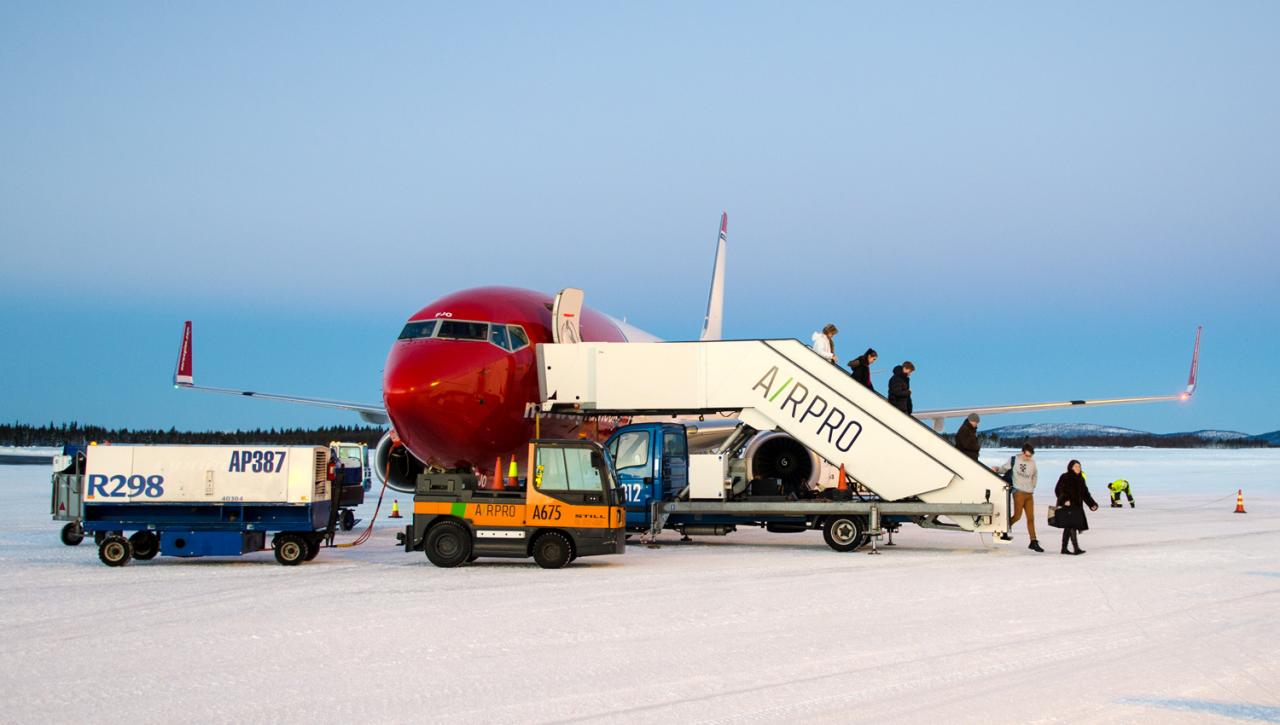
566 316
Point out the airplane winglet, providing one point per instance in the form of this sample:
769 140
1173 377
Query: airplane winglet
182 373
1195 366
712 324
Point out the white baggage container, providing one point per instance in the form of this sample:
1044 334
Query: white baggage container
206 474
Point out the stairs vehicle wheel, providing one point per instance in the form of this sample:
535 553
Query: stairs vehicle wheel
844 533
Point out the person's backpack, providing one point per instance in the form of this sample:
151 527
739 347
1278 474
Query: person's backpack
1008 475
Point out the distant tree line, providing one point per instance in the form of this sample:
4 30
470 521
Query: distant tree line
22 434
1141 440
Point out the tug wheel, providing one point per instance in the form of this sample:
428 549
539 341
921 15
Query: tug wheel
448 544
347 520
313 548
291 549
552 550
145 545
115 550
844 533
71 534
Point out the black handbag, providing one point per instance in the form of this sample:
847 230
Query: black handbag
1064 517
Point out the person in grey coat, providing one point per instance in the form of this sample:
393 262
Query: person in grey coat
967 437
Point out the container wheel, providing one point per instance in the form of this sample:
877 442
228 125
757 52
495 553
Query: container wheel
115 550
448 544
313 547
145 545
291 549
72 534
552 550
347 520
844 533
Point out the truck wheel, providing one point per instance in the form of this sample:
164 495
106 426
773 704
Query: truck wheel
291 549
552 550
145 545
115 550
71 534
448 544
843 533
348 520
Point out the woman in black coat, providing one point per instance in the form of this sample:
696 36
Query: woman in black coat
1073 496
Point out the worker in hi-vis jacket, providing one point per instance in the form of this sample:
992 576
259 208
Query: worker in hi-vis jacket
1118 487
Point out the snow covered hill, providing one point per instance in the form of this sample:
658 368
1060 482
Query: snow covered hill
1106 435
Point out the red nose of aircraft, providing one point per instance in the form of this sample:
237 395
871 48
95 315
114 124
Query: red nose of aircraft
455 402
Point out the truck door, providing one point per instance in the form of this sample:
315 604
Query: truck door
633 467
675 461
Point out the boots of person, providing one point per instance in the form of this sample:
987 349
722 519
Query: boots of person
1131 504
1066 538
1035 546
1075 543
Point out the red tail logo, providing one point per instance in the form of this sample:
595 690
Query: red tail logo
182 372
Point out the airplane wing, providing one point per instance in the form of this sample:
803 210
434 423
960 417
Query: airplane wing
938 416
184 378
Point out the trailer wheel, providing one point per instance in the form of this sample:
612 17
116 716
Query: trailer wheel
115 550
448 544
348 520
552 550
145 545
313 548
291 549
71 534
844 533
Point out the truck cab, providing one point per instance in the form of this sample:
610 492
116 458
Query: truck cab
651 462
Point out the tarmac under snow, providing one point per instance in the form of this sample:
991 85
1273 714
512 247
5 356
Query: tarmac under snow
1169 617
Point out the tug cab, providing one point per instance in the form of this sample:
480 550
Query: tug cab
570 506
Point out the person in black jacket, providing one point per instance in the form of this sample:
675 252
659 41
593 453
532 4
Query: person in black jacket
900 387
861 368
967 437
1073 496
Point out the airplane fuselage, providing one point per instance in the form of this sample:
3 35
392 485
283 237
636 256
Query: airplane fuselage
458 383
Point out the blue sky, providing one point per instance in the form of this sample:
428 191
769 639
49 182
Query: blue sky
1030 201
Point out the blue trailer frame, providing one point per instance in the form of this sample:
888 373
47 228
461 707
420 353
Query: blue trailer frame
212 529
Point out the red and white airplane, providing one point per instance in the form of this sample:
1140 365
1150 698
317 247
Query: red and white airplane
460 380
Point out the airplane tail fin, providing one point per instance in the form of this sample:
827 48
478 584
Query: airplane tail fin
182 374
713 322
1195 367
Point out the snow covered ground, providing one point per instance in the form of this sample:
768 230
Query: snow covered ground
1169 617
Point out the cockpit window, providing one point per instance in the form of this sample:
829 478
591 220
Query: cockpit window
518 338
415 330
459 330
498 336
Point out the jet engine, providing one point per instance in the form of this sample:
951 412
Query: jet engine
774 454
396 466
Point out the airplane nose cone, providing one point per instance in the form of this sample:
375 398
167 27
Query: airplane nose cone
454 403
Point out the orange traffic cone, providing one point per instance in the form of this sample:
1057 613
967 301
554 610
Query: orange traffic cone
842 483
1240 501
395 509
497 473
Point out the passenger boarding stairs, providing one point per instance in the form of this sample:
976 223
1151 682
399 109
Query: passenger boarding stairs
782 385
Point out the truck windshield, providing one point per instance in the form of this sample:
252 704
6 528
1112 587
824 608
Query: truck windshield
572 469
415 330
460 330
